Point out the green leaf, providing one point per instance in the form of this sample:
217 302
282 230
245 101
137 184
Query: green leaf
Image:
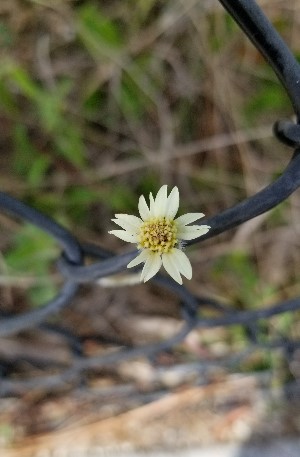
27 161
98 32
26 85
238 275
6 100
269 98
132 102
69 144
32 251
119 198
78 201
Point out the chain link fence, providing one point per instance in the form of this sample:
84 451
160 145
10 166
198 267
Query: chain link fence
75 270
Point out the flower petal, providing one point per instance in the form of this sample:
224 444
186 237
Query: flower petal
152 265
125 236
143 208
152 205
161 201
170 265
191 232
142 257
132 220
188 218
183 263
127 226
173 203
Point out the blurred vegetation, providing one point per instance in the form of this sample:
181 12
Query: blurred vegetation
102 101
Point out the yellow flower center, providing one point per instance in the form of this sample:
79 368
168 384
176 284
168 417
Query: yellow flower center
158 234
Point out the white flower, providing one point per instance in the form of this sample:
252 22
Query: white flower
159 236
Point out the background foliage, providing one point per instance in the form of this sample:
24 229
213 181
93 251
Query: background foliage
102 101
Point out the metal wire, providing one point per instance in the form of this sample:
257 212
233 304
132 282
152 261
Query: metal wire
72 265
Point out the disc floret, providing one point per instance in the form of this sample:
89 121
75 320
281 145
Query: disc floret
158 234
